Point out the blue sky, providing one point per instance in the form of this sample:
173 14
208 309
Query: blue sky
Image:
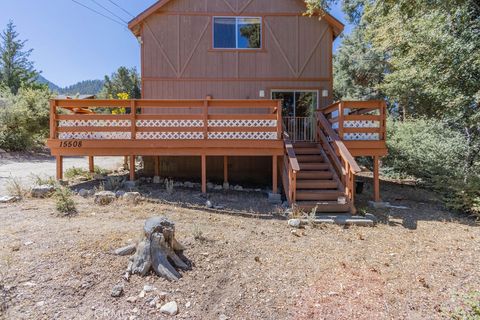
72 43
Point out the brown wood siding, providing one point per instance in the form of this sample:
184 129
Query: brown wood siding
179 62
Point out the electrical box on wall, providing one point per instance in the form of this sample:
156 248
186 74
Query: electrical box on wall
325 93
261 93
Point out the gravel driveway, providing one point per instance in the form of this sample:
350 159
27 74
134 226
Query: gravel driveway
26 166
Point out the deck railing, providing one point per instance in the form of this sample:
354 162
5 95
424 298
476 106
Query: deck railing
165 120
300 128
358 120
343 162
291 168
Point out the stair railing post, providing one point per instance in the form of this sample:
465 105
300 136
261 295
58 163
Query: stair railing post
340 120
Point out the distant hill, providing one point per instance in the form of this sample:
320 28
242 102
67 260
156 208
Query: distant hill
82 87
50 84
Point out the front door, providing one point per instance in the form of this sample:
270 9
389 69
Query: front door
298 111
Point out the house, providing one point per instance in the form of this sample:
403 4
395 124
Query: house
235 90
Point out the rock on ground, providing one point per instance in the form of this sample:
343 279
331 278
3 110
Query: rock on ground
295 223
8 199
169 308
42 191
117 291
104 197
133 197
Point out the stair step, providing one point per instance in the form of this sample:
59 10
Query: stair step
319 195
323 206
313 151
304 144
316 184
314 166
309 158
314 175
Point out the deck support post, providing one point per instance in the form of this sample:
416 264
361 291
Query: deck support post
59 163
275 174
157 166
91 164
204 173
132 168
225 169
376 179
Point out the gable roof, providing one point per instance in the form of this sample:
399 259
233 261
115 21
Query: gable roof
134 24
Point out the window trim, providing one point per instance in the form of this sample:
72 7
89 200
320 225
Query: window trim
236 33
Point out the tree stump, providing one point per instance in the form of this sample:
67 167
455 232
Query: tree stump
159 250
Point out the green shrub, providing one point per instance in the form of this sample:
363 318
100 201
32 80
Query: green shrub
74 172
24 120
64 201
435 154
469 308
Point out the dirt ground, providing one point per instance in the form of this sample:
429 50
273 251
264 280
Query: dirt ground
25 167
415 264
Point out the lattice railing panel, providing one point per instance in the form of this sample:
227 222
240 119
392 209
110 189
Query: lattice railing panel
170 123
361 136
243 135
169 135
94 135
361 124
243 123
94 123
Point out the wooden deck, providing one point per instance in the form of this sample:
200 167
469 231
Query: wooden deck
318 172
166 128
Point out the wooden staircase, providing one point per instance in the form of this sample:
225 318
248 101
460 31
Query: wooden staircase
317 184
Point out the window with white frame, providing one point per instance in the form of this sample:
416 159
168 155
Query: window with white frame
237 32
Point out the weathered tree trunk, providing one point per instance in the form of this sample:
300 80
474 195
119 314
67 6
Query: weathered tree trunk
159 250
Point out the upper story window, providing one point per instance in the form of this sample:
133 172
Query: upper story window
237 33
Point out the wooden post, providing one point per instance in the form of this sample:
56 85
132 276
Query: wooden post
91 164
376 179
340 120
132 168
279 120
204 174
59 162
125 162
53 119
157 166
225 169
205 119
133 119
274 174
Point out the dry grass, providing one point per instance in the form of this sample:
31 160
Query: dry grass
245 268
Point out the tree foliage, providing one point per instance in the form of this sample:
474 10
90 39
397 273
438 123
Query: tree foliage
24 118
423 57
16 70
124 80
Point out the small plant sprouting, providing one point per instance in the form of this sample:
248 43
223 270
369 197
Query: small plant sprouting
312 216
198 233
41 181
169 185
16 188
64 201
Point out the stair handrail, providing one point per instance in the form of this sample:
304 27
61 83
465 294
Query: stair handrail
339 155
292 167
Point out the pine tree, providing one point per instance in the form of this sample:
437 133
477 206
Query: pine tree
16 69
123 81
